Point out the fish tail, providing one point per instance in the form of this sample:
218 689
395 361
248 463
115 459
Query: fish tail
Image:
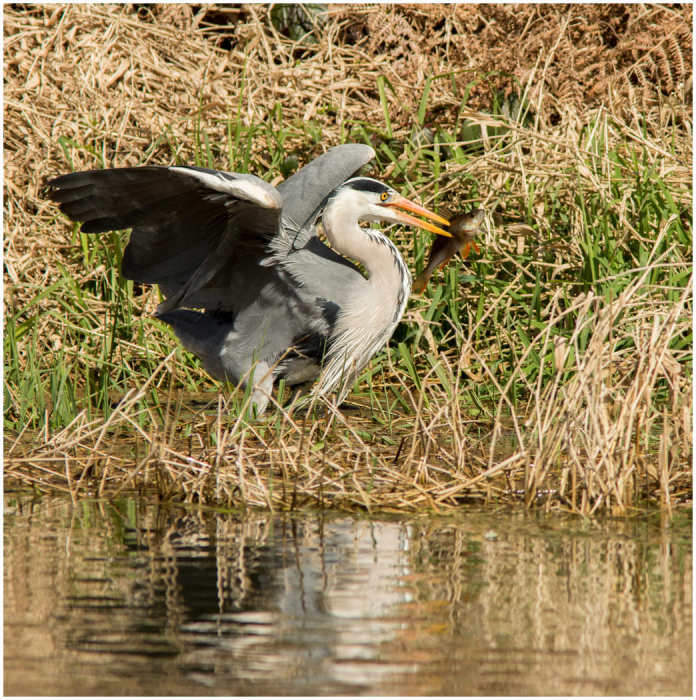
420 283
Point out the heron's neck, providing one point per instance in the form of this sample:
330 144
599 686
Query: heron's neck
384 295
371 308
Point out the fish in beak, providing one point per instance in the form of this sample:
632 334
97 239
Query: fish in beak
463 229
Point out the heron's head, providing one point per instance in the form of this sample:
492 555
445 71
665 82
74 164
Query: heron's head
371 200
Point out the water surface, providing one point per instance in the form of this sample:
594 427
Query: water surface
124 599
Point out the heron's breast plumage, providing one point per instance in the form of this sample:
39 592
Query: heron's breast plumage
367 321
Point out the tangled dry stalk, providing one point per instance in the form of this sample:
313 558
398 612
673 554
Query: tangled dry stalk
594 99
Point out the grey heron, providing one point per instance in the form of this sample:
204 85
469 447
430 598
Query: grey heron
274 301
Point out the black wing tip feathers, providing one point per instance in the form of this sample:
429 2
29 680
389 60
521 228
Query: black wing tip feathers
58 182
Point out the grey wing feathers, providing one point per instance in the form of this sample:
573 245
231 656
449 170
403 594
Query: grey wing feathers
321 273
318 269
306 189
187 222
196 230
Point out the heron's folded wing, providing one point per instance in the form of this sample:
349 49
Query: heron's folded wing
187 222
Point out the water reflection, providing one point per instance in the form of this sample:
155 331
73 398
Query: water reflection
124 599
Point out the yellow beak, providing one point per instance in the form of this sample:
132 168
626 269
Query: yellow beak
403 203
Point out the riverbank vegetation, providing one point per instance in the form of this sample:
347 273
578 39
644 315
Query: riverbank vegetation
554 368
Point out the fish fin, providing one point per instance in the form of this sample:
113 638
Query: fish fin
445 212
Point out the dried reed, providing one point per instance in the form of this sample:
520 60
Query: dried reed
555 369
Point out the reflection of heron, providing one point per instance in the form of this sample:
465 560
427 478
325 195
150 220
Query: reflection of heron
248 254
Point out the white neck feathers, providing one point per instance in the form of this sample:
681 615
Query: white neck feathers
368 318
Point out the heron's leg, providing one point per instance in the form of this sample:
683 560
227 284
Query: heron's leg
262 388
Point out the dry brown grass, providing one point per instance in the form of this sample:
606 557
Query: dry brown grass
117 87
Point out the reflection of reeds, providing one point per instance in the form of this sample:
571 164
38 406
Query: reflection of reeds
555 368
540 592
542 605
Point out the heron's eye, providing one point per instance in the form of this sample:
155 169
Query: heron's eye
384 196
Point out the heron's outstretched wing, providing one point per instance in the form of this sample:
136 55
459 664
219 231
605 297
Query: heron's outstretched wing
201 233
187 222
